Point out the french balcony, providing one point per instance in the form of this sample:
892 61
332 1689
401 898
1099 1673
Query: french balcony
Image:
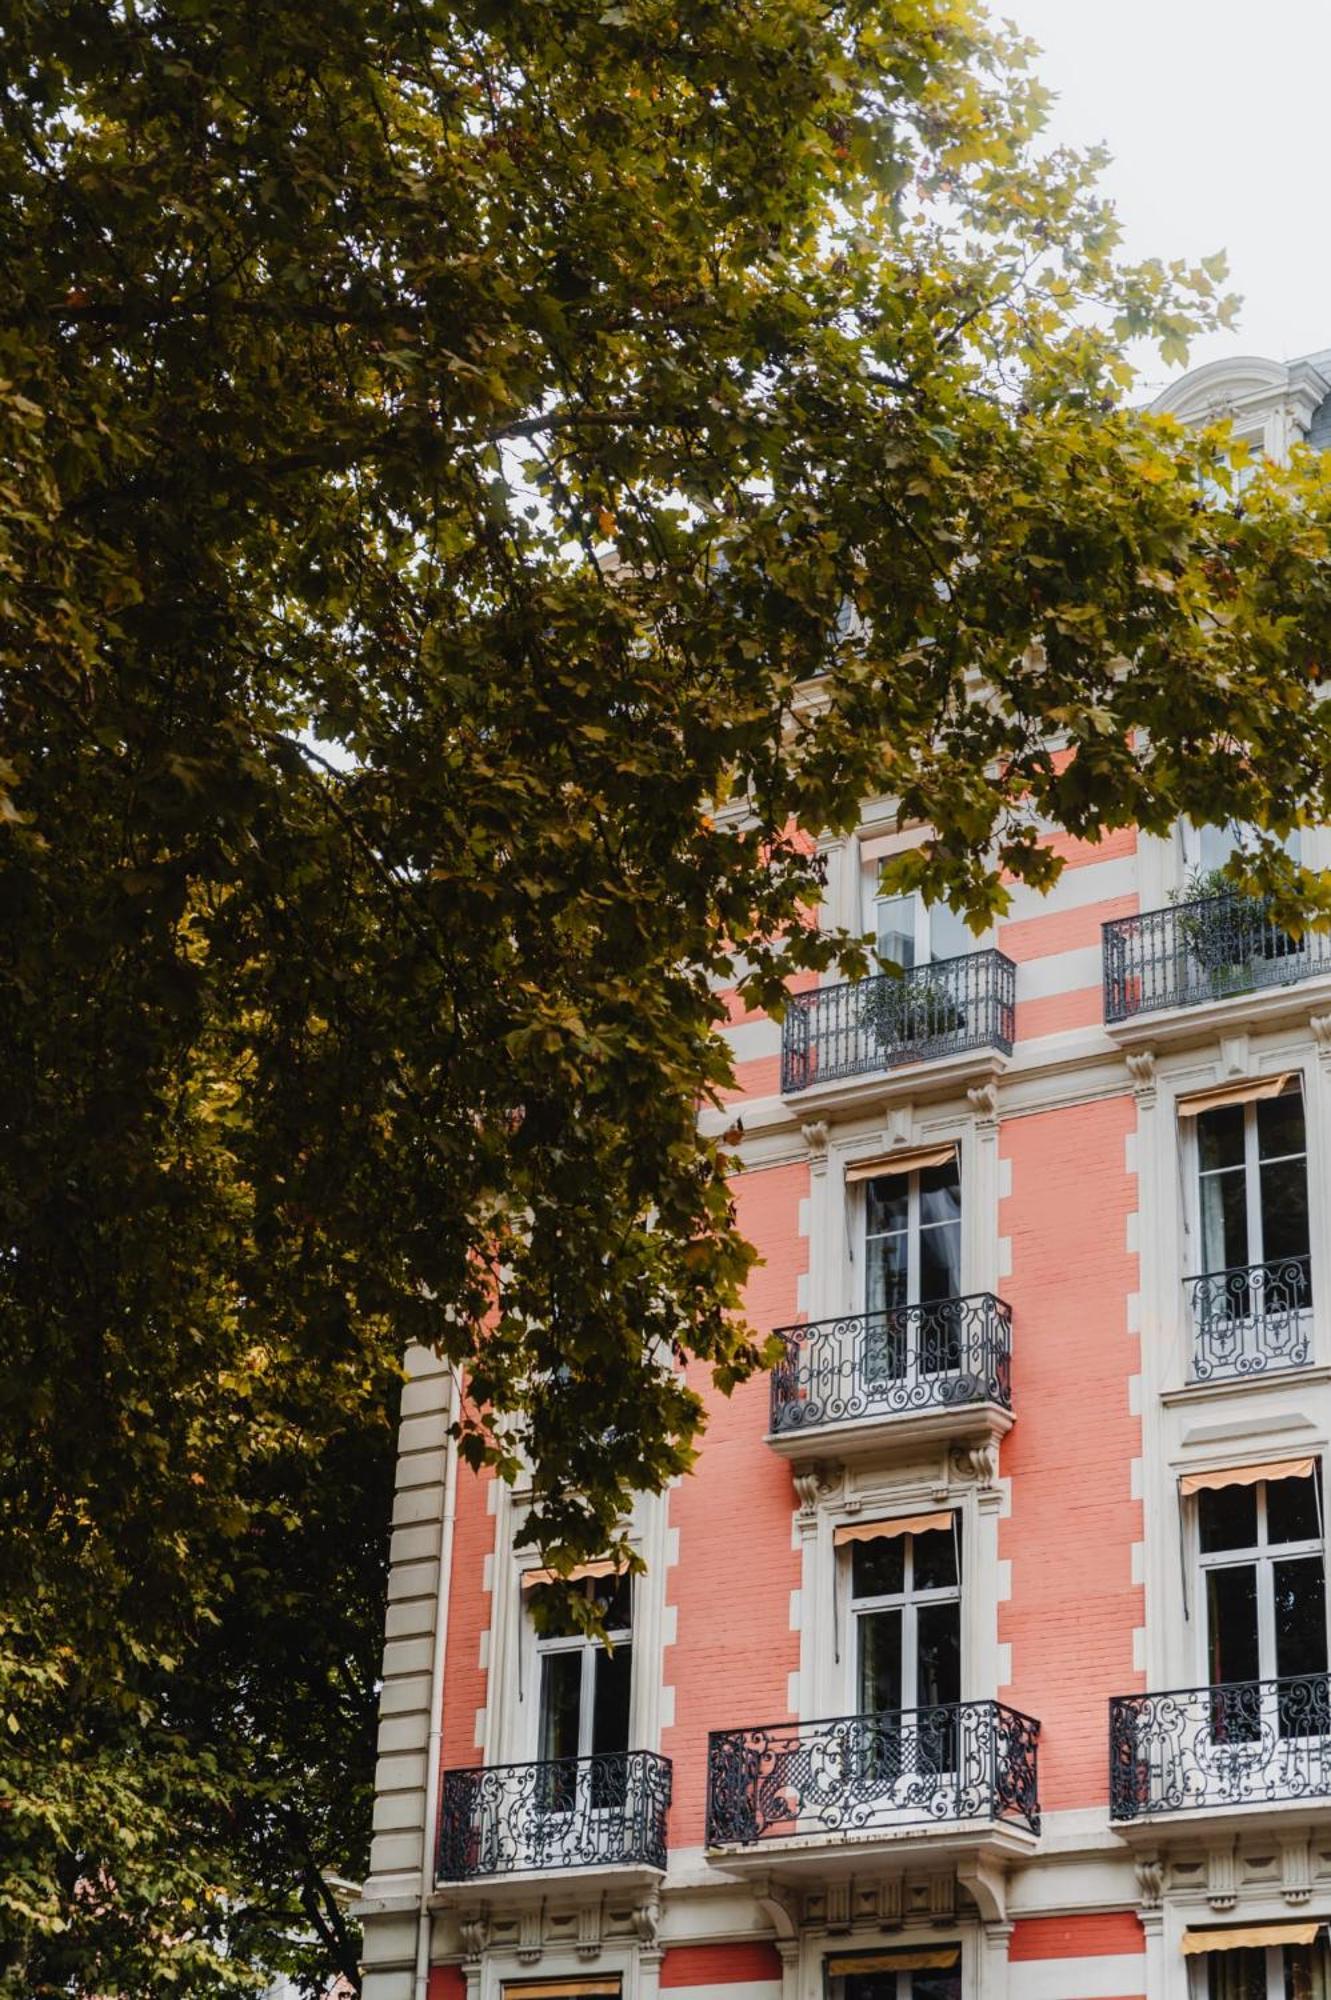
603 1815
1202 954
1260 1747
805 1799
1251 1321
947 1012
856 1385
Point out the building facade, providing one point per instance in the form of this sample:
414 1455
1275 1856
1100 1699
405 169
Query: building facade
984 1656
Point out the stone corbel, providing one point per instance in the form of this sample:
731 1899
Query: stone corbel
984 1103
474 1931
1234 1060
780 1909
1141 1068
1150 1881
811 1482
986 1881
1319 1026
589 1930
647 1921
815 1136
978 1462
1296 1869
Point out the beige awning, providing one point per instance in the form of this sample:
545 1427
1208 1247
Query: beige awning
1244 1475
885 1531
928 1958
601 1567
907 1160
559 1989
1252 1937
1250 1091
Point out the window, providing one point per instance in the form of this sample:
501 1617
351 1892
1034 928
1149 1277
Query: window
909 933
1206 849
931 1972
1264 1608
1275 1972
1252 1205
583 1702
906 1637
912 1237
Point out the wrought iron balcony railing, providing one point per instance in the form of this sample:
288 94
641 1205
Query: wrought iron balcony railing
1248 1743
877 1023
1203 950
941 1356
862 1774
583 1812
1251 1320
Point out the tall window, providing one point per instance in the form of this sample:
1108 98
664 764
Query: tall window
1252 1184
1272 1972
907 932
1263 1586
905 1615
1206 849
912 1237
583 1707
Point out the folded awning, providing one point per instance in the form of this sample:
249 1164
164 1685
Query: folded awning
601 1567
1250 1091
906 1160
1252 1937
926 1958
1244 1475
884 1531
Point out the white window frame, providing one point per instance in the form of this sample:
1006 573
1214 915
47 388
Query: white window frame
1264 1555
1252 1185
1190 841
912 1233
1199 1974
922 912
578 1642
908 1601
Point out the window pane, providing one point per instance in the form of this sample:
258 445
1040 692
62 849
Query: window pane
935 1559
1280 1126
1228 1518
878 1569
1231 1614
896 929
940 1193
940 1262
1224 1204
1215 844
1237 1975
880 1661
1291 1511
949 934
886 1201
885 1273
1220 1137
938 1654
610 1707
936 1986
1284 1186
615 1595
1300 1617
561 1700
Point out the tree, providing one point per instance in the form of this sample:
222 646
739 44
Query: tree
484 484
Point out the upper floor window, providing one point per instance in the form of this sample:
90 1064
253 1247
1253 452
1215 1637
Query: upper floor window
1264 1604
583 1704
1206 849
906 931
912 1237
905 1614
1252 1181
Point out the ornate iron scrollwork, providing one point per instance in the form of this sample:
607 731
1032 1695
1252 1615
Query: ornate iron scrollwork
968 1761
1246 1743
877 1023
940 1356
1251 1319
583 1812
1202 950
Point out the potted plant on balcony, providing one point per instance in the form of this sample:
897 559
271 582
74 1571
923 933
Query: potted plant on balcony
904 1012
1219 930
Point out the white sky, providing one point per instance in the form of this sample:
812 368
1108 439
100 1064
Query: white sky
1218 114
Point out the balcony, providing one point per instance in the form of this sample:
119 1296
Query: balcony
1252 1320
1260 1745
605 1813
809 1797
1201 953
852 1385
948 1009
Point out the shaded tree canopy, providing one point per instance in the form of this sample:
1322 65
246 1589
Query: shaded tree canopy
483 485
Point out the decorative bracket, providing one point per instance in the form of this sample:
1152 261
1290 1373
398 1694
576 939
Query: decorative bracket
815 1135
986 1881
811 1482
1141 1068
1151 1881
984 1103
1320 1027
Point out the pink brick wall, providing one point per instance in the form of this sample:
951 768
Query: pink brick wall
1069 1538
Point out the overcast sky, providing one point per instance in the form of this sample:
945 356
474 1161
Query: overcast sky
1218 113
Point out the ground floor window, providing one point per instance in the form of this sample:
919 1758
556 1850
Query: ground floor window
929 1972
1266 1972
